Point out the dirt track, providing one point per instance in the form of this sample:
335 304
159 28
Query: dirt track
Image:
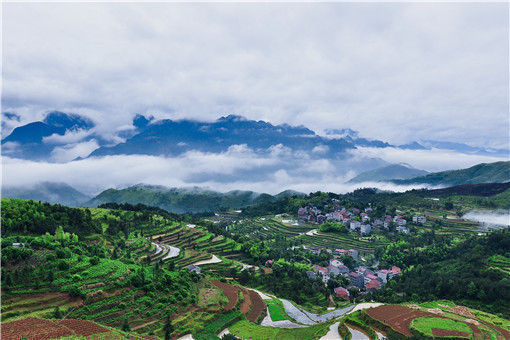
229 291
257 306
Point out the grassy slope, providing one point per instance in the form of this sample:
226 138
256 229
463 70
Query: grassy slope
481 173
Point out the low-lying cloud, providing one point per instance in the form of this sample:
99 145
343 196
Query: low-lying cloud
239 168
501 218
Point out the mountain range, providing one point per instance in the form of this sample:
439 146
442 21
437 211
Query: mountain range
38 140
185 200
196 199
497 172
388 173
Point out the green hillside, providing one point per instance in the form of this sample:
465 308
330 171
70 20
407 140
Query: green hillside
50 192
498 172
390 172
183 200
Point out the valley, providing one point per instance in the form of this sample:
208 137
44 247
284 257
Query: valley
142 271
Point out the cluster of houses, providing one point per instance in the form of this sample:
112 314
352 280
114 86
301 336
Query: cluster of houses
361 224
364 278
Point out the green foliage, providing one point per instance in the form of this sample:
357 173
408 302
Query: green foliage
125 326
425 325
25 216
334 227
57 314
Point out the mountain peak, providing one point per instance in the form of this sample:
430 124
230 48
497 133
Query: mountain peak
232 118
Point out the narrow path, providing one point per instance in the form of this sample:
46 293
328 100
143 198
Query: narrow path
333 333
172 252
357 334
214 259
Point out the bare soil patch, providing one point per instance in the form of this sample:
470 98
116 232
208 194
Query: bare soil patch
257 306
461 310
229 291
448 332
435 311
83 327
476 330
397 317
245 305
33 328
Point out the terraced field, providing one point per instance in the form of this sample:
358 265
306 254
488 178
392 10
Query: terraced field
195 245
33 328
269 228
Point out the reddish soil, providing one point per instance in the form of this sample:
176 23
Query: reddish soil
229 291
245 305
448 332
83 327
504 332
398 317
257 306
476 330
33 328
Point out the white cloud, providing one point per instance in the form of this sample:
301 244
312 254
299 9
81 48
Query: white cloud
70 137
431 160
72 151
394 71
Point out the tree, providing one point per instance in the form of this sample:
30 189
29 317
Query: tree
471 291
125 326
168 328
57 314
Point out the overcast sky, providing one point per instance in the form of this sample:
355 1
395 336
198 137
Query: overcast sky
395 72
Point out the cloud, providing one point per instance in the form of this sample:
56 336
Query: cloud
431 160
72 151
498 218
393 71
70 137
238 168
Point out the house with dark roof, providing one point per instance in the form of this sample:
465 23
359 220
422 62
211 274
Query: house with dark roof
194 268
311 275
356 280
343 269
333 271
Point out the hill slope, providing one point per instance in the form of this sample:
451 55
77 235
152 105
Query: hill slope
498 172
184 200
56 193
390 172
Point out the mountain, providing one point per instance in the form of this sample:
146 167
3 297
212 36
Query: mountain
178 200
171 138
31 141
498 172
55 193
385 173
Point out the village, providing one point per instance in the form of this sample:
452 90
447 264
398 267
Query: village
357 221
365 279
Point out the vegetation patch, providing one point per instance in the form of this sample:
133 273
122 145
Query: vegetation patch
246 330
276 310
432 327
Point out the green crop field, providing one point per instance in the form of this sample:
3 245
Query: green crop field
426 324
276 310
246 330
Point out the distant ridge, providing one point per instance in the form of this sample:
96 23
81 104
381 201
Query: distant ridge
498 172
390 172
55 193
184 200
